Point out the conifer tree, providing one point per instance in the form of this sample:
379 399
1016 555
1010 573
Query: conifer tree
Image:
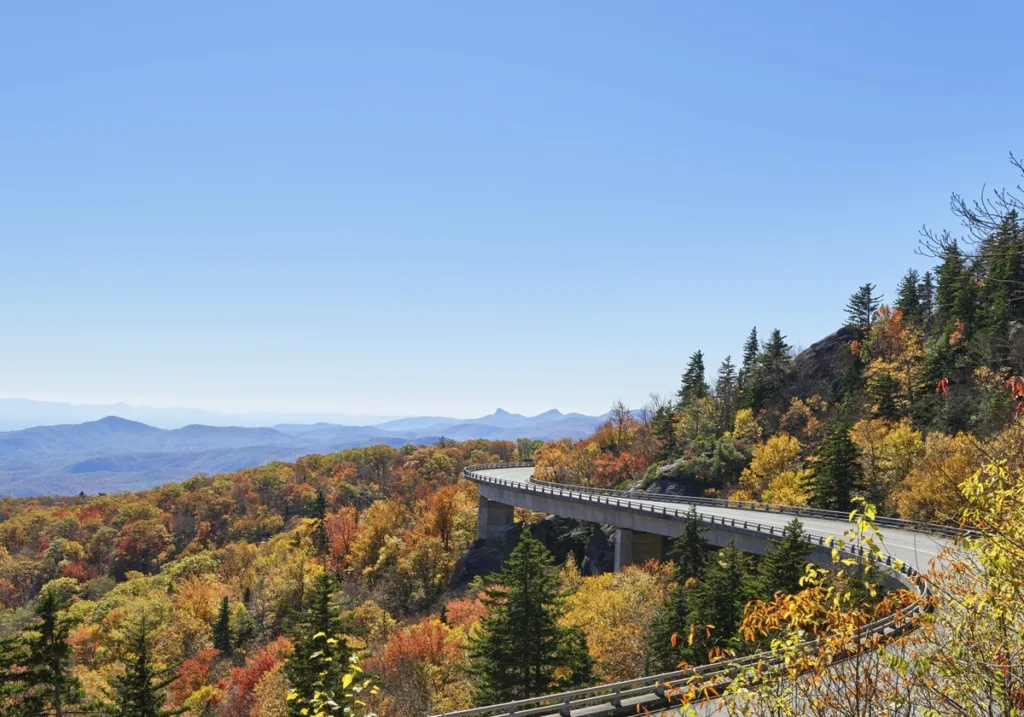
783 566
50 657
908 298
837 472
751 350
718 601
860 309
140 690
953 294
222 629
770 372
320 540
522 650
321 616
694 385
725 394
691 553
18 698
663 428
35 667
926 293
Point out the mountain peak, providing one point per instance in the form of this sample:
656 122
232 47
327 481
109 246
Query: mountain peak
501 412
123 424
553 413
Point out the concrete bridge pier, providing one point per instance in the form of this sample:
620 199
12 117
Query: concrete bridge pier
633 546
492 517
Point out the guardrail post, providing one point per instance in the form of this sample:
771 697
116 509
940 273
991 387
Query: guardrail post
616 697
564 709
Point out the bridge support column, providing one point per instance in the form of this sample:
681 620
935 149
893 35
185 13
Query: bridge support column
492 517
632 546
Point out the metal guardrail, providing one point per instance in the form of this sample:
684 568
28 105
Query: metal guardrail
898 523
654 689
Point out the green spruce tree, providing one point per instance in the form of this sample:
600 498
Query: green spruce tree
694 385
726 388
522 650
50 657
860 309
908 298
926 292
663 428
751 350
717 604
783 566
35 666
770 373
321 627
837 471
19 696
222 629
320 539
691 551
140 691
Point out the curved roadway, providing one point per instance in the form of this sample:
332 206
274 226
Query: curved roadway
913 548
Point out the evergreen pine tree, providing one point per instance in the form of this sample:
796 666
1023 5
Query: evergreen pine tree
926 293
19 696
50 657
770 372
321 616
694 385
320 540
222 629
837 472
691 554
663 428
783 566
953 279
35 666
1002 260
751 350
140 690
725 394
718 602
860 309
908 298
521 650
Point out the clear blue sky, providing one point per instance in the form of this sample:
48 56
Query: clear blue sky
440 208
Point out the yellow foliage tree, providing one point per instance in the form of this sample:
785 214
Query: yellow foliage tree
931 490
775 474
888 453
616 611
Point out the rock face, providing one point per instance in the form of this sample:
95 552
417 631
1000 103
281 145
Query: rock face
566 538
600 554
819 369
670 486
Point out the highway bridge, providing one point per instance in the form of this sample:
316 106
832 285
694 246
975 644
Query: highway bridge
644 525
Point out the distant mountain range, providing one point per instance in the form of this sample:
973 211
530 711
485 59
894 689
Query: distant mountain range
114 454
18 413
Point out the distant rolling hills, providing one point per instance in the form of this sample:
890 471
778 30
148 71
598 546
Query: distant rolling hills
114 454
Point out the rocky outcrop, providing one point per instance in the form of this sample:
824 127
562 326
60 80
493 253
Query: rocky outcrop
671 486
819 368
600 553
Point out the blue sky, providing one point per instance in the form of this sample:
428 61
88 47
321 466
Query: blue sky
440 208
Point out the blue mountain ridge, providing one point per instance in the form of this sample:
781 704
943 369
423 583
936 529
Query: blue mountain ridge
113 453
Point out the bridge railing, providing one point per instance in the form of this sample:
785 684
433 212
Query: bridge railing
948 531
654 689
